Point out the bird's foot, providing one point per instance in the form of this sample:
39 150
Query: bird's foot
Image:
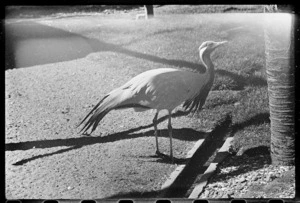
86 134
157 152
161 155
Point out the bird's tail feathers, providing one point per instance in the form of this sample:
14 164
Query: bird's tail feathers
108 103
99 111
95 107
94 121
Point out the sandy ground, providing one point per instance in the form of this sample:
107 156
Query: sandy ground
46 158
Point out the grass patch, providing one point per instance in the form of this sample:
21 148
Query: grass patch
251 123
250 137
222 98
227 83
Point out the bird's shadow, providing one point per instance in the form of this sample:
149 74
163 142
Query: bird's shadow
78 142
164 158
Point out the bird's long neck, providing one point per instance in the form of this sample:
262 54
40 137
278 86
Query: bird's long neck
206 61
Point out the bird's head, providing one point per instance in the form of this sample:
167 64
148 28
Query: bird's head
210 46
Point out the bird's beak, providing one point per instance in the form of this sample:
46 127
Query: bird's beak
219 43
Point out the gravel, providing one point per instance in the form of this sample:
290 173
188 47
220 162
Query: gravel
251 177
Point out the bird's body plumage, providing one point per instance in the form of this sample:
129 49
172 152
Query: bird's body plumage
163 88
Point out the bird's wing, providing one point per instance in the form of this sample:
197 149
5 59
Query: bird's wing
163 88
195 103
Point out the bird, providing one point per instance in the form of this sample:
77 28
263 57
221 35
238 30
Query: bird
160 89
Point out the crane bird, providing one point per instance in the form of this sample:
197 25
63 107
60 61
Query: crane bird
160 89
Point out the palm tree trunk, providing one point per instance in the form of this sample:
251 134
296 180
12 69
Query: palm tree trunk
279 49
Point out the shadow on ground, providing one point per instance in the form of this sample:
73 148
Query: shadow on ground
76 143
249 159
136 194
197 166
252 159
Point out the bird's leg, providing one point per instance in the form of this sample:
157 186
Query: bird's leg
170 135
155 131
